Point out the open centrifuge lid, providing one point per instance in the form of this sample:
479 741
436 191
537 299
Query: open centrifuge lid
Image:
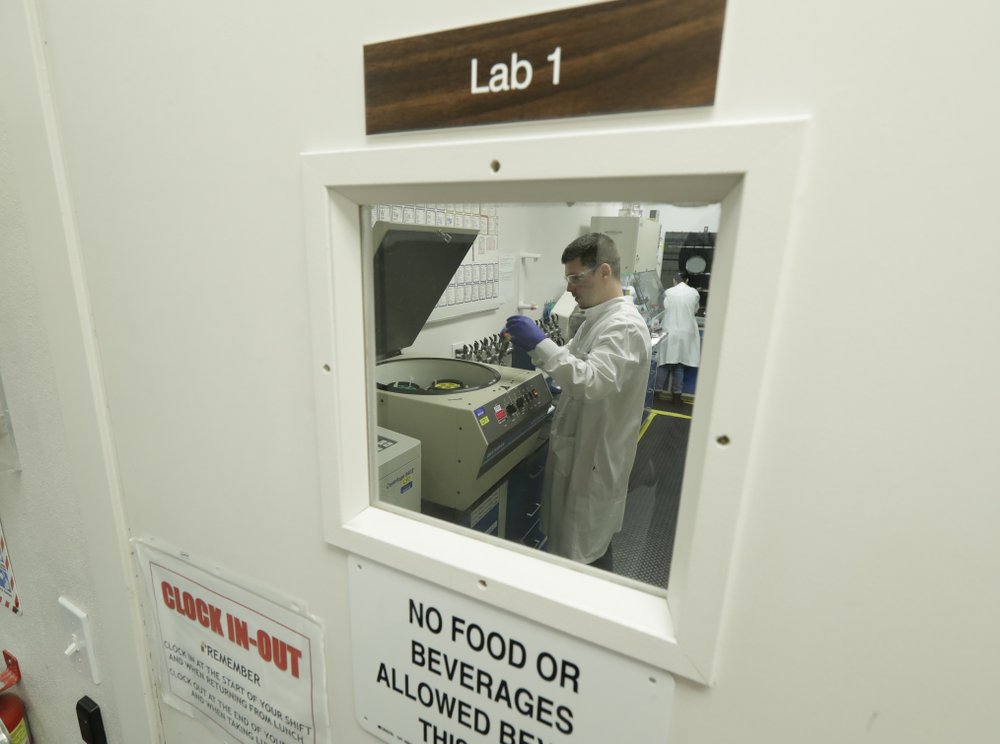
412 268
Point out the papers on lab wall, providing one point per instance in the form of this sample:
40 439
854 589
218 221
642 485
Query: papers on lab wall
476 285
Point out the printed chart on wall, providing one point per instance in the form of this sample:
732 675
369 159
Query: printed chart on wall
475 287
431 665
247 667
8 589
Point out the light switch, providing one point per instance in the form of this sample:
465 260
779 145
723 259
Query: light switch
79 640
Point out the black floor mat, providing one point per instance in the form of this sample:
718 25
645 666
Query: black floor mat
643 548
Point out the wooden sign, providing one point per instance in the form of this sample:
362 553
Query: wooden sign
614 57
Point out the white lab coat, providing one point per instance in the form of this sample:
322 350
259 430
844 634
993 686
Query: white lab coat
682 342
603 372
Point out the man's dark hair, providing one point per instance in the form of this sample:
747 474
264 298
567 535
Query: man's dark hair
593 250
681 276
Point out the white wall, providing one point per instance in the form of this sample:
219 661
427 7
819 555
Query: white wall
544 230
674 218
863 599
39 506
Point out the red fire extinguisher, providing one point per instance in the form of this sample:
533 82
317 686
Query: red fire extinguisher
13 719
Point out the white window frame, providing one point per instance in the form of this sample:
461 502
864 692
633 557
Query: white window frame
751 169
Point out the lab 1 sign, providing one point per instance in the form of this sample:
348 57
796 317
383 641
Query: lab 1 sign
605 58
518 76
434 666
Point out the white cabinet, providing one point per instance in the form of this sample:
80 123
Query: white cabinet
637 238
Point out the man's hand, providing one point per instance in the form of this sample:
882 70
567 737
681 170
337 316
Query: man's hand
523 332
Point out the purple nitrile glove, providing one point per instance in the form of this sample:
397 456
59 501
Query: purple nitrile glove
523 332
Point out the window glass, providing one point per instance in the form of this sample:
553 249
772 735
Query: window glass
563 431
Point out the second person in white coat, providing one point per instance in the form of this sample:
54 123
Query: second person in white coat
681 346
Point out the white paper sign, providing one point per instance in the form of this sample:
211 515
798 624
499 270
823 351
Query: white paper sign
8 587
245 666
434 666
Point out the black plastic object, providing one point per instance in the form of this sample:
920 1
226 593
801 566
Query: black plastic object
413 266
91 724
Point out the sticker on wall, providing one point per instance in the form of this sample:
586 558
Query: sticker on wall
249 668
8 589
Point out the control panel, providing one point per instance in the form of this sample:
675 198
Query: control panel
514 407
508 419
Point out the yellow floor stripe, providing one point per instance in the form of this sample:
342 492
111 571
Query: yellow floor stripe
670 413
652 413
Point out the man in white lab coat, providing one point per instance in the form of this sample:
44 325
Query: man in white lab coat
681 346
603 372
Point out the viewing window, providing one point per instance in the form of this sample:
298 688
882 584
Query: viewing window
463 417
471 529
